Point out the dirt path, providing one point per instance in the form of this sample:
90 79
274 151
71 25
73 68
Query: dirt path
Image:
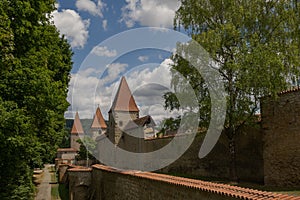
44 189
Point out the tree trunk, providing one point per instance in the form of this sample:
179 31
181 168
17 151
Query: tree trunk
232 166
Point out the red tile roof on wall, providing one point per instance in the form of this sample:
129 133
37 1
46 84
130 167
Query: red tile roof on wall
77 126
98 121
294 89
210 187
79 169
66 150
124 100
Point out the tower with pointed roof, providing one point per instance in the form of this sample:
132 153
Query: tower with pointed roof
99 125
76 131
123 110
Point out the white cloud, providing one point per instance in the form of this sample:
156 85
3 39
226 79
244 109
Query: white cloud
70 24
103 51
104 24
56 5
86 90
113 71
143 58
157 13
147 85
91 7
81 93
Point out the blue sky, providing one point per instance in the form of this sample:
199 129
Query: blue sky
103 52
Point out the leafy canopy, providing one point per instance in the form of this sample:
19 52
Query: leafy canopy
34 63
255 45
255 48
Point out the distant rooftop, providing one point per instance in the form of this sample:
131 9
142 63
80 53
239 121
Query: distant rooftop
77 126
98 121
124 100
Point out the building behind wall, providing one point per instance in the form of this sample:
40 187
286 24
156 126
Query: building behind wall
123 110
76 132
67 155
98 125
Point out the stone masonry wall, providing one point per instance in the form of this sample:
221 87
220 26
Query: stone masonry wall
79 180
112 184
118 120
216 164
122 186
281 127
249 157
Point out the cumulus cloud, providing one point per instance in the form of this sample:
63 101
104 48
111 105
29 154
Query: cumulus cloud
104 24
113 72
103 51
143 58
147 85
70 24
156 13
81 93
56 5
91 7
86 90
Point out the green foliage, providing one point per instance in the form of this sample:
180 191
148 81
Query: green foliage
66 139
255 45
87 148
169 124
256 49
34 64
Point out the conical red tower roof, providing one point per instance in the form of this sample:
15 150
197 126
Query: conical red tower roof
77 126
98 121
124 100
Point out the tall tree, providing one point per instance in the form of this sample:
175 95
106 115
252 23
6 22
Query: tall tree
87 148
35 63
256 48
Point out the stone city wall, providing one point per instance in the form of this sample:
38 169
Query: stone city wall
281 127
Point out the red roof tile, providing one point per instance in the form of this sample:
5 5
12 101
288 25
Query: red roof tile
66 150
77 126
79 169
217 188
294 89
98 121
124 100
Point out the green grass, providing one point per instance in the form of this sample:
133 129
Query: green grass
54 192
63 192
58 191
54 187
51 169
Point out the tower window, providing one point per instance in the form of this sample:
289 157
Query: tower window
120 123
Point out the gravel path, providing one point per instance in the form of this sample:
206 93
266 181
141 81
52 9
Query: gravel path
44 189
